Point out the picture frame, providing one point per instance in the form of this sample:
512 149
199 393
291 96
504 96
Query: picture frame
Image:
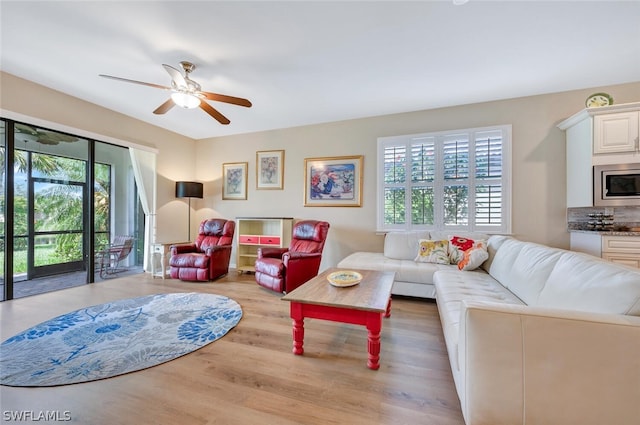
333 181
270 170
234 180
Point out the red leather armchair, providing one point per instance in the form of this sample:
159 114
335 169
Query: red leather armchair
208 257
284 269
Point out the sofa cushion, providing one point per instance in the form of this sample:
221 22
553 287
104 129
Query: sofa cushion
433 251
446 234
493 244
453 287
191 259
406 270
403 245
582 282
524 267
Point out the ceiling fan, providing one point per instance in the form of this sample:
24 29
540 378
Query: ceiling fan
186 93
26 133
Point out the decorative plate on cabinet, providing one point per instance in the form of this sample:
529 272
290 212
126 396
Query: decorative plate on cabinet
598 99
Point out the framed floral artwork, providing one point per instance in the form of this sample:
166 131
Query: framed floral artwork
333 181
269 169
234 180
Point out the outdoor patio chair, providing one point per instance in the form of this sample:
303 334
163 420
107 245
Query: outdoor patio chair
109 259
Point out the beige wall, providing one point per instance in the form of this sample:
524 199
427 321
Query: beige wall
538 159
539 207
176 153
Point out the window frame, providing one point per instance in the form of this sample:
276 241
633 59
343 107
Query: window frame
406 141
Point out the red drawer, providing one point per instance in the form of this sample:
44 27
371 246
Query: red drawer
269 240
249 239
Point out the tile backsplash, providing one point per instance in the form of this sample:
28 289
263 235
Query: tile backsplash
591 218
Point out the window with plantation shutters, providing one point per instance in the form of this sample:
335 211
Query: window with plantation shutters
447 180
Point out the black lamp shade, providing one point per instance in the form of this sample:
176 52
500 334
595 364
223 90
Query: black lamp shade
188 190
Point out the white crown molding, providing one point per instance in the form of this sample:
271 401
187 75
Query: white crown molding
590 112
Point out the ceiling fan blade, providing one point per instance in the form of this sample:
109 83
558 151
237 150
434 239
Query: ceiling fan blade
176 76
164 107
23 128
226 99
136 82
214 113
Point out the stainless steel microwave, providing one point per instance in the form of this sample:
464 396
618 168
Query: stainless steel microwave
616 185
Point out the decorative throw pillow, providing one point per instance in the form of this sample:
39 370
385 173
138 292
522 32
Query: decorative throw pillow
458 246
474 257
433 251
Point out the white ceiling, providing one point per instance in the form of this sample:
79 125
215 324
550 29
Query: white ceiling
303 62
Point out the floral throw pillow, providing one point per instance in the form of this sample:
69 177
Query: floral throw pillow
474 257
459 246
433 251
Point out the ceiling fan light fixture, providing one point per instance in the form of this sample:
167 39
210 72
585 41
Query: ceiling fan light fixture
186 93
185 100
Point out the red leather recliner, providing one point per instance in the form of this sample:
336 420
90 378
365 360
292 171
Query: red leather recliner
284 269
208 257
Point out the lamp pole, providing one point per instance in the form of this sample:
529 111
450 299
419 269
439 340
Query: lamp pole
189 221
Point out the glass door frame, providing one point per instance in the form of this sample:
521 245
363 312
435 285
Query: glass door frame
34 271
88 219
9 159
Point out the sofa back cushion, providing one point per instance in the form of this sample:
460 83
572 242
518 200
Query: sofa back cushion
406 245
446 234
582 282
493 244
403 245
523 267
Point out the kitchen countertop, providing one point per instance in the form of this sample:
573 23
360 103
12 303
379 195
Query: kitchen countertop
607 232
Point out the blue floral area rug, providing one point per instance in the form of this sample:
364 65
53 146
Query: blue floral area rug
115 338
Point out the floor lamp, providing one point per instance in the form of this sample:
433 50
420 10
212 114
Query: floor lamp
189 190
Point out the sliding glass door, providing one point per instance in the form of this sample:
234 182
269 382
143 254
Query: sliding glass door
50 180
70 198
58 211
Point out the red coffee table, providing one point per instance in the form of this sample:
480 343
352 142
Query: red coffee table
363 304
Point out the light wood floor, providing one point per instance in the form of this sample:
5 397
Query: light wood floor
250 375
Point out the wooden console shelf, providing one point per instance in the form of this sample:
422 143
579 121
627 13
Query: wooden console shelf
255 232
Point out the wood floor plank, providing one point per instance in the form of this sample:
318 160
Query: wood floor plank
250 376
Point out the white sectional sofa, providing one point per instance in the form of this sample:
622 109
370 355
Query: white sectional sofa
543 336
413 278
539 335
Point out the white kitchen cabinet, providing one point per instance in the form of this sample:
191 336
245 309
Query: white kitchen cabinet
617 249
586 242
622 250
616 133
614 129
